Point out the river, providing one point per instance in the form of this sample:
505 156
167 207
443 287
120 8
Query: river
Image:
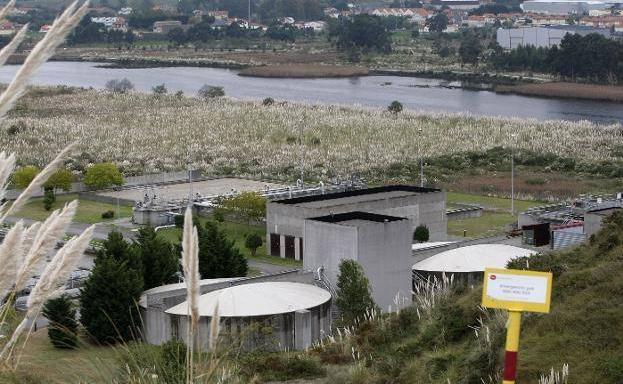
371 91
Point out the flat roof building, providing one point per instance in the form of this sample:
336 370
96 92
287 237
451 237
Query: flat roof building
285 218
381 244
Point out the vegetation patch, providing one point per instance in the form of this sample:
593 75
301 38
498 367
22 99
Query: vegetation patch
304 71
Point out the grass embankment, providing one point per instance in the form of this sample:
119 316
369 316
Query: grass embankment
437 344
304 71
495 219
567 91
89 212
239 232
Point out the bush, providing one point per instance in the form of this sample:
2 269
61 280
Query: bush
119 86
210 92
178 220
103 175
354 294
268 101
421 234
48 199
108 214
160 89
395 107
63 327
281 366
173 355
253 242
14 129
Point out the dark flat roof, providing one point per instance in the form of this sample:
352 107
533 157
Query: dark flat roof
605 211
357 215
357 192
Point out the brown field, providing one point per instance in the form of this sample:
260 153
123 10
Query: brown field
567 90
304 71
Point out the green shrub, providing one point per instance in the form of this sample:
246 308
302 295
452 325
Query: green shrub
63 327
421 234
268 101
48 199
281 366
253 242
178 220
108 214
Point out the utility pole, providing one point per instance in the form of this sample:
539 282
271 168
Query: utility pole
513 136
249 19
302 149
419 149
190 183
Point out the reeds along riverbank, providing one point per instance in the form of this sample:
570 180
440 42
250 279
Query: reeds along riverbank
567 91
304 71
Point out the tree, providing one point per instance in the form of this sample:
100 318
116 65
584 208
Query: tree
421 234
210 92
354 295
108 300
249 206
48 199
63 327
437 23
178 36
253 242
470 49
159 258
395 107
102 175
60 179
23 176
119 85
159 89
362 31
218 257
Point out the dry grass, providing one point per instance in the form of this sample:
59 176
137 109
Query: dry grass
144 134
567 91
304 71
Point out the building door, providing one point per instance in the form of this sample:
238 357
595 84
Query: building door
275 244
289 247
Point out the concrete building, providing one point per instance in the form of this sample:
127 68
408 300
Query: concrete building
156 324
164 27
467 263
567 7
285 218
381 244
291 316
543 36
593 219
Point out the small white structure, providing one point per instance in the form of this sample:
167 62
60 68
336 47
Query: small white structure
468 263
290 315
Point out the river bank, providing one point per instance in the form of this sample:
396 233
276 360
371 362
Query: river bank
302 71
566 91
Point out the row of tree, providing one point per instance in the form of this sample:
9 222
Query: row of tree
90 32
592 57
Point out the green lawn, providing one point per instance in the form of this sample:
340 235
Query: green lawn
89 212
490 203
238 232
495 218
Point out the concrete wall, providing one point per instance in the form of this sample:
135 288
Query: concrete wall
425 208
382 249
592 223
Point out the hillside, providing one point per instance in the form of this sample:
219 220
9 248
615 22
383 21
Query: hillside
453 341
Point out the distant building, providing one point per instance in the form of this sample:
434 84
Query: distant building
567 7
164 27
317 26
115 22
125 11
219 14
464 5
543 36
45 28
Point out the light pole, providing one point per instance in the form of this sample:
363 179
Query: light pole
190 183
419 149
302 149
513 136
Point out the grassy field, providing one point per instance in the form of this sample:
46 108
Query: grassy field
238 232
222 140
89 363
567 90
495 219
89 212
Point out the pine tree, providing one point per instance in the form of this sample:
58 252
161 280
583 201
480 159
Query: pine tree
108 302
159 258
218 257
354 295
48 199
63 327
421 234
